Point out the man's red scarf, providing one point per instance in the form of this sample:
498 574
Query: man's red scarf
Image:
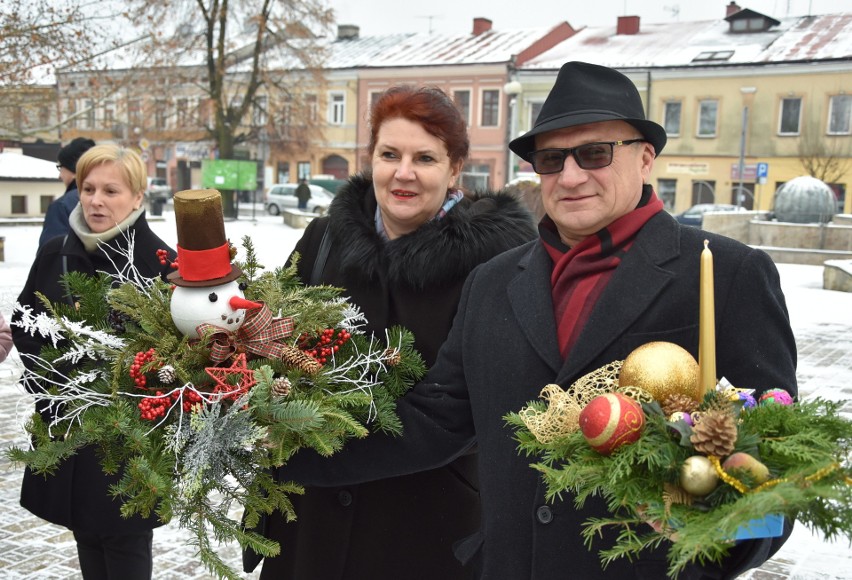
581 273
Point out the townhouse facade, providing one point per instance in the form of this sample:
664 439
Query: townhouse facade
748 101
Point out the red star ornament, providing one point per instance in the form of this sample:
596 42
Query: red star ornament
226 389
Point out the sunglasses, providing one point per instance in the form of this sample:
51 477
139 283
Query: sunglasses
587 156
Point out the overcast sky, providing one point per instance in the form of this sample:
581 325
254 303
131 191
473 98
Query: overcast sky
376 17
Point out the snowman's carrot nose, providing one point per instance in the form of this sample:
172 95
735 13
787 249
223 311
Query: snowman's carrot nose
238 302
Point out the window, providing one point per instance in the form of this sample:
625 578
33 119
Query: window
708 111
303 169
671 121
71 114
43 202
109 114
703 192
713 55
134 112
258 112
203 109
839 115
791 115
160 113
88 114
462 101
43 116
475 177
490 108
182 112
19 204
535 111
312 108
336 108
754 24
666 190
283 171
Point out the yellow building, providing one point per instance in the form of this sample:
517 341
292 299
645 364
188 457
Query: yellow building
771 96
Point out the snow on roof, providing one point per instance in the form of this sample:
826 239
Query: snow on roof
17 166
821 37
419 49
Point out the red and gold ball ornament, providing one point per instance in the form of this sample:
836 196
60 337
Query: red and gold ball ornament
662 369
610 421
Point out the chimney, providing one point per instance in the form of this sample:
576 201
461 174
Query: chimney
481 25
731 8
627 25
347 32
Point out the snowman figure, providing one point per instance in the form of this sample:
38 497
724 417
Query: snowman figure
206 290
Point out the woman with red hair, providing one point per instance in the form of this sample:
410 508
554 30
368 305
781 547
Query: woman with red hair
400 239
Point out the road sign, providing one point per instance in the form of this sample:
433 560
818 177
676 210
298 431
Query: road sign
762 169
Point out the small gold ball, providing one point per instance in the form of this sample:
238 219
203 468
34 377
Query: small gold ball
698 476
662 369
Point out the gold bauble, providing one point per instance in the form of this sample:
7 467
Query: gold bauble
661 368
698 476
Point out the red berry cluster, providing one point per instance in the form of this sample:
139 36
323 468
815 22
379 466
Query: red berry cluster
152 408
163 256
139 361
322 346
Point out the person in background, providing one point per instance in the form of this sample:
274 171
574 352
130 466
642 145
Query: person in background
5 338
112 185
303 193
56 217
609 272
401 240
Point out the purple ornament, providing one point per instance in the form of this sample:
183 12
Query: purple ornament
776 396
748 400
680 416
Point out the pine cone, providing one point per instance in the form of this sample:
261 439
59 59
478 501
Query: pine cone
715 434
678 403
280 387
297 358
167 374
392 357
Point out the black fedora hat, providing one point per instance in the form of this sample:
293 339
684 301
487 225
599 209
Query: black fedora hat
589 93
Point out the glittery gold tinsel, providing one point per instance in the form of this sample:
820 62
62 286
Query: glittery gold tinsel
741 487
562 415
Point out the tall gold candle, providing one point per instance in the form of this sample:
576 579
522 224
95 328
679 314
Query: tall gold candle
706 326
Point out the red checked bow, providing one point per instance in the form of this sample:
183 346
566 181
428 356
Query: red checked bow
259 334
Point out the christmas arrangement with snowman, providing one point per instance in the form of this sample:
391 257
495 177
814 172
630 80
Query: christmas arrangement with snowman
200 384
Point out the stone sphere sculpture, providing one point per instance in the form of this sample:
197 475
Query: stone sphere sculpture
805 200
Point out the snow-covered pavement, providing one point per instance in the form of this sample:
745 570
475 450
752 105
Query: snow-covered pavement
31 548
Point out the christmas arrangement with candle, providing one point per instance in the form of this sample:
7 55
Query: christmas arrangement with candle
683 457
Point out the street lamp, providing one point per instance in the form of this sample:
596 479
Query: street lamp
748 97
512 89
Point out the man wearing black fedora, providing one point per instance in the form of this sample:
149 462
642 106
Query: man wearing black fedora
610 272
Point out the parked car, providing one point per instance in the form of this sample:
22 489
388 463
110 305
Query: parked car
282 196
694 216
158 189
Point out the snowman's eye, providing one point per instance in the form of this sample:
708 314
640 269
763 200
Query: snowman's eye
243 286
212 297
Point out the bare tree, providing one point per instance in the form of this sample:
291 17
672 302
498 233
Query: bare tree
246 57
37 36
826 157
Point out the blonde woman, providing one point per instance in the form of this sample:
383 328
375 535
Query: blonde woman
111 181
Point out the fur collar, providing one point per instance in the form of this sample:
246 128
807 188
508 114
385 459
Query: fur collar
438 252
